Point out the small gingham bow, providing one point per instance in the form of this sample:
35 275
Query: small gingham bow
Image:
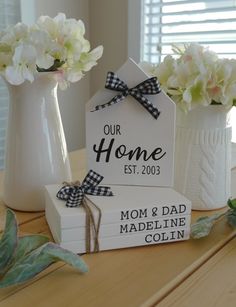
147 87
74 193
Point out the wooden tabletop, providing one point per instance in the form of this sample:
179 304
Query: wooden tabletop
189 273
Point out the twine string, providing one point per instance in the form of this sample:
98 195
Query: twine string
90 223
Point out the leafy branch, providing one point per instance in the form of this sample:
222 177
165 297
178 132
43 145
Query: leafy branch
21 258
202 227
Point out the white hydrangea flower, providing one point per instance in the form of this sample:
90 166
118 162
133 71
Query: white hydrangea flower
67 33
47 50
86 62
52 44
196 94
227 81
24 65
197 77
15 35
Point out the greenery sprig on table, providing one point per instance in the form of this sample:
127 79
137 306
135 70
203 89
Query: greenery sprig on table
202 227
21 258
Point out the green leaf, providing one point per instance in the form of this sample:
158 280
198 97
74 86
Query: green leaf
37 261
27 244
58 253
232 203
201 228
231 217
27 268
8 241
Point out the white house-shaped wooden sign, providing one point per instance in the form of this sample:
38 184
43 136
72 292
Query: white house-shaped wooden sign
125 143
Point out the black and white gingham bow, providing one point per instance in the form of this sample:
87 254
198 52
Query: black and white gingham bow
74 194
147 87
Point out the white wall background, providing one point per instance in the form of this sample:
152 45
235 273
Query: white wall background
106 24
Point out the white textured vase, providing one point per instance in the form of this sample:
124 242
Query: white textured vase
36 152
203 156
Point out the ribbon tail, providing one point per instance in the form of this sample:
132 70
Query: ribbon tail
91 180
150 86
118 98
99 191
148 105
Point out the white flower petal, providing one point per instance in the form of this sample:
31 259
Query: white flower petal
96 53
74 76
27 74
24 53
187 96
14 75
61 17
45 61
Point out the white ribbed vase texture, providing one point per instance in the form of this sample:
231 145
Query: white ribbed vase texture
36 152
203 156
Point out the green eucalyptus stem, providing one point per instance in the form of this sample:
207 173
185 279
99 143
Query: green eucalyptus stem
218 216
203 225
57 64
22 258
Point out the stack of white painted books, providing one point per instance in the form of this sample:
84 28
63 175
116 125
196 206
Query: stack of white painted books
134 216
134 152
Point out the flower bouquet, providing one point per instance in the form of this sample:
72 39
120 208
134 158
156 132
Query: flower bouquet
194 76
51 44
33 61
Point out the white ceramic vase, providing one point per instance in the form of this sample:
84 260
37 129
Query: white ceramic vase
36 152
203 156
